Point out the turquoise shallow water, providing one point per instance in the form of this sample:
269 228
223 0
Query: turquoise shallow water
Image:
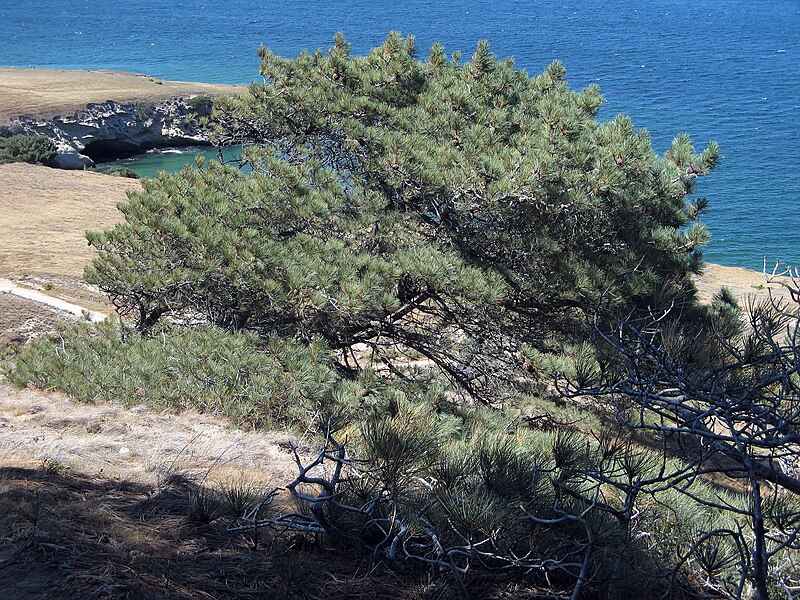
168 159
718 69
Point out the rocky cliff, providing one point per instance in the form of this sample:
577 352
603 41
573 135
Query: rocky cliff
109 130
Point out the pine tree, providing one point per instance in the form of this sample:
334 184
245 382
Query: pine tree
459 211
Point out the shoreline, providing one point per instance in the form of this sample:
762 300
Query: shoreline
97 116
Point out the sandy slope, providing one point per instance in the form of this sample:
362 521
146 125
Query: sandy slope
46 93
744 283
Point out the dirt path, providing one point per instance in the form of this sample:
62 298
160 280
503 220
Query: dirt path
9 287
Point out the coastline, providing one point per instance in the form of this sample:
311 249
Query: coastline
95 116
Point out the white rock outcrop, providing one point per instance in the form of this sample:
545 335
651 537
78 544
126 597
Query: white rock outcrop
111 129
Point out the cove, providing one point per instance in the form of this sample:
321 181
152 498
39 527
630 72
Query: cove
171 160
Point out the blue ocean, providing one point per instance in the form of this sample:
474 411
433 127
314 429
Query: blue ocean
724 70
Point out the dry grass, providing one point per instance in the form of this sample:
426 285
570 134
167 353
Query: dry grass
104 493
44 214
22 319
46 93
69 536
135 444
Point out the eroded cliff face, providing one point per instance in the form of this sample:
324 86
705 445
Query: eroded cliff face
112 130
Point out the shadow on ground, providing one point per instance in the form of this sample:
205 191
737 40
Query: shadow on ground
65 535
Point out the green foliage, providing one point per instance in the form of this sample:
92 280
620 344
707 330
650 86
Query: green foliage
461 229
121 172
201 104
453 210
7 132
36 149
144 109
275 384
514 499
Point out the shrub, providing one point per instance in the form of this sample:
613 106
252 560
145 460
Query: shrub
731 390
432 487
36 149
7 132
273 384
452 210
144 109
120 172
200 105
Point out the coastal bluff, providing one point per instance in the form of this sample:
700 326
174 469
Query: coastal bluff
95 115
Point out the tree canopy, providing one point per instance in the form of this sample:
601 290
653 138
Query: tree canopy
457 211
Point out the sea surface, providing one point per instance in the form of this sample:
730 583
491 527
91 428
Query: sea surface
724 70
